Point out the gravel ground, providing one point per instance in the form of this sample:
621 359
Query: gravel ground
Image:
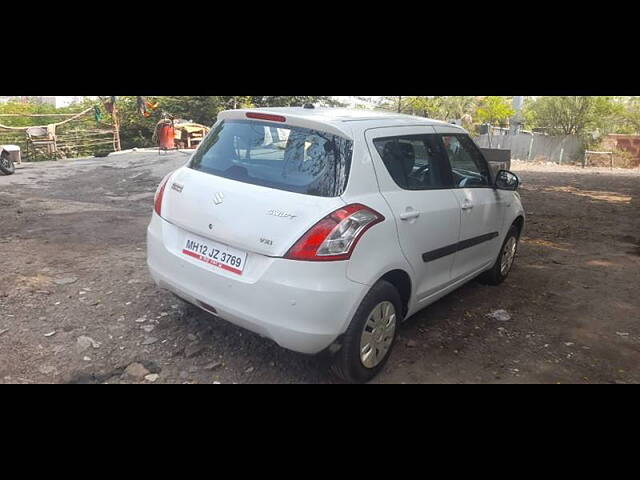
78 306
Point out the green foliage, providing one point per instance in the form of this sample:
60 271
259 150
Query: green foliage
588 117
494 110
137 131
394 104
429 107
631 115
69 144
30 108
584 116
457 107
293 101
436 107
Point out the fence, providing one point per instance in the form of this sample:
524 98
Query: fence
566 149
78 136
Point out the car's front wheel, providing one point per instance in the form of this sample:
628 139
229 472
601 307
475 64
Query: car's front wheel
368 341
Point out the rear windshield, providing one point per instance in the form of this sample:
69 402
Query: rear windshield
276 156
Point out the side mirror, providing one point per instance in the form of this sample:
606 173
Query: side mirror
506 180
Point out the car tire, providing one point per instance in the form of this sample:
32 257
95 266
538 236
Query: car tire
500 271
6 165
381 306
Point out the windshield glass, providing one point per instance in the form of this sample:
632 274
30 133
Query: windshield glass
277 156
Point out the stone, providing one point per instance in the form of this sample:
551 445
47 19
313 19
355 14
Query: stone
48 369
193 350
65 280
152 377
213 365
412 344
500 315
149 341
135 371
83 343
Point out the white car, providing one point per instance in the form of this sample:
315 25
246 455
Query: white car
322 229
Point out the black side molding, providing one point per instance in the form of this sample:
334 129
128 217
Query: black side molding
456 247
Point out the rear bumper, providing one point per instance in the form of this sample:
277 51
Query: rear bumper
302 306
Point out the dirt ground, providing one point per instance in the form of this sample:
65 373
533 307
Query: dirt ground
78 306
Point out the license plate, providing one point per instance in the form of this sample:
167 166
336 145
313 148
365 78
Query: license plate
215 255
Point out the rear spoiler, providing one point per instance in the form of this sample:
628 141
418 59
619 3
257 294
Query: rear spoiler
292 120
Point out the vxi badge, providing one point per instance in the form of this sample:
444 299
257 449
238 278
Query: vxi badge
278 213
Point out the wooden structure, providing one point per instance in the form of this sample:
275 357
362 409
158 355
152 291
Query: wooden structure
189 134
41 140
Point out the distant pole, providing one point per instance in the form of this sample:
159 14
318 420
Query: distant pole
516 120
114 118
399 104
116 128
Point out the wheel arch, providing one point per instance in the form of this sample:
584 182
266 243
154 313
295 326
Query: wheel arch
401 280
519 224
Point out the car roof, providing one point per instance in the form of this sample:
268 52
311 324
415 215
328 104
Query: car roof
343 119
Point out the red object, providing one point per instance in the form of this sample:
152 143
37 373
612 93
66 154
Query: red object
166 135
160 196
307 247
266 116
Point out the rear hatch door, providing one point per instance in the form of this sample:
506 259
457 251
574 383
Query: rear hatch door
259 186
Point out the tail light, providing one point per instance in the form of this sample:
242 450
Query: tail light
266 116
336 235
157 200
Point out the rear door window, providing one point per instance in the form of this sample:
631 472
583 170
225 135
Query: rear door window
415 162
287 158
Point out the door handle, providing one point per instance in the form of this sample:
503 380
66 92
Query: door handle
467 205
409 215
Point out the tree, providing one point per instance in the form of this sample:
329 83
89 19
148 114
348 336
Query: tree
457 107
436 107
575 115
494 110
631 115
429 107
32 106
293 101
394 104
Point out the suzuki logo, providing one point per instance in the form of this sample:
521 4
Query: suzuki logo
218 198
